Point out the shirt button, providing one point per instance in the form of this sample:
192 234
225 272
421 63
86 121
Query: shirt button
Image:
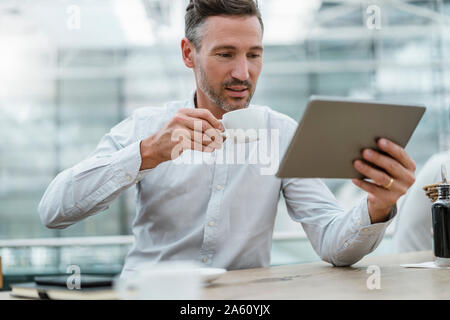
219 187
346 244
128 177
211 223
205 260
359 222
365 229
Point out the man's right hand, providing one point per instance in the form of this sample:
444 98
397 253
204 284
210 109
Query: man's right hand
195 129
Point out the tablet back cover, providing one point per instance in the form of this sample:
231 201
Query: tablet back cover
334 131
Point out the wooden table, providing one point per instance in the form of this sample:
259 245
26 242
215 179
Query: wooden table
323 281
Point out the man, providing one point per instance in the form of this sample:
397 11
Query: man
218 214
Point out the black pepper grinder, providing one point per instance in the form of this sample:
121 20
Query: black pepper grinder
441 222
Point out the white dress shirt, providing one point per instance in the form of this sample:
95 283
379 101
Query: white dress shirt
216 213
413 230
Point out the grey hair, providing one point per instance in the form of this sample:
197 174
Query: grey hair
199 10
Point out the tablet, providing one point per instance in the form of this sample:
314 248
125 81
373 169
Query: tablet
333 132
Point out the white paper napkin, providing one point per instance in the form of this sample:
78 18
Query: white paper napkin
426 265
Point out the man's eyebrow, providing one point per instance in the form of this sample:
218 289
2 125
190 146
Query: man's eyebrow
227 47
257 48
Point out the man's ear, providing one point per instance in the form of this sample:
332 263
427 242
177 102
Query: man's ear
188 53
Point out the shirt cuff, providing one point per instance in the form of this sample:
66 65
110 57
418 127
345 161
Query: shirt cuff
363 223
127 163
141 174
365 238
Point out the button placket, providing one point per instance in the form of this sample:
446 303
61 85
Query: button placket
213 213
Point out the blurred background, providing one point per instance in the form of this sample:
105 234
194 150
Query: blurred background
71 70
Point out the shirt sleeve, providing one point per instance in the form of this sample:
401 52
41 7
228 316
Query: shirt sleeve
91 185
338 237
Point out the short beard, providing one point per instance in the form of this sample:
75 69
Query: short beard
218 97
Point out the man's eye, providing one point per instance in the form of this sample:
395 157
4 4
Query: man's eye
254 55
224 55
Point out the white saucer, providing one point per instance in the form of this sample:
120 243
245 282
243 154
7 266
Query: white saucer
210 274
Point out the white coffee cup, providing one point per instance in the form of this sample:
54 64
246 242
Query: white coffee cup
244 125
169 280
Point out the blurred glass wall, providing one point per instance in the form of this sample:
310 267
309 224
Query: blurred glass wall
71 70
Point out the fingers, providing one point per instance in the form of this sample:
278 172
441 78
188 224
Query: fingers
196 124
379 177
398 153
403 178
376 191
195 140
191 123
206 139
396 165
187 143
369 187
205 115
388 185
393 167
198 137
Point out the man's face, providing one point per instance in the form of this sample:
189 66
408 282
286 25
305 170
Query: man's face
229 62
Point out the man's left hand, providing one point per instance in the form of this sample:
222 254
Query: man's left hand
386 187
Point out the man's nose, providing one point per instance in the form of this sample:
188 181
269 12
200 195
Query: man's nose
240 69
